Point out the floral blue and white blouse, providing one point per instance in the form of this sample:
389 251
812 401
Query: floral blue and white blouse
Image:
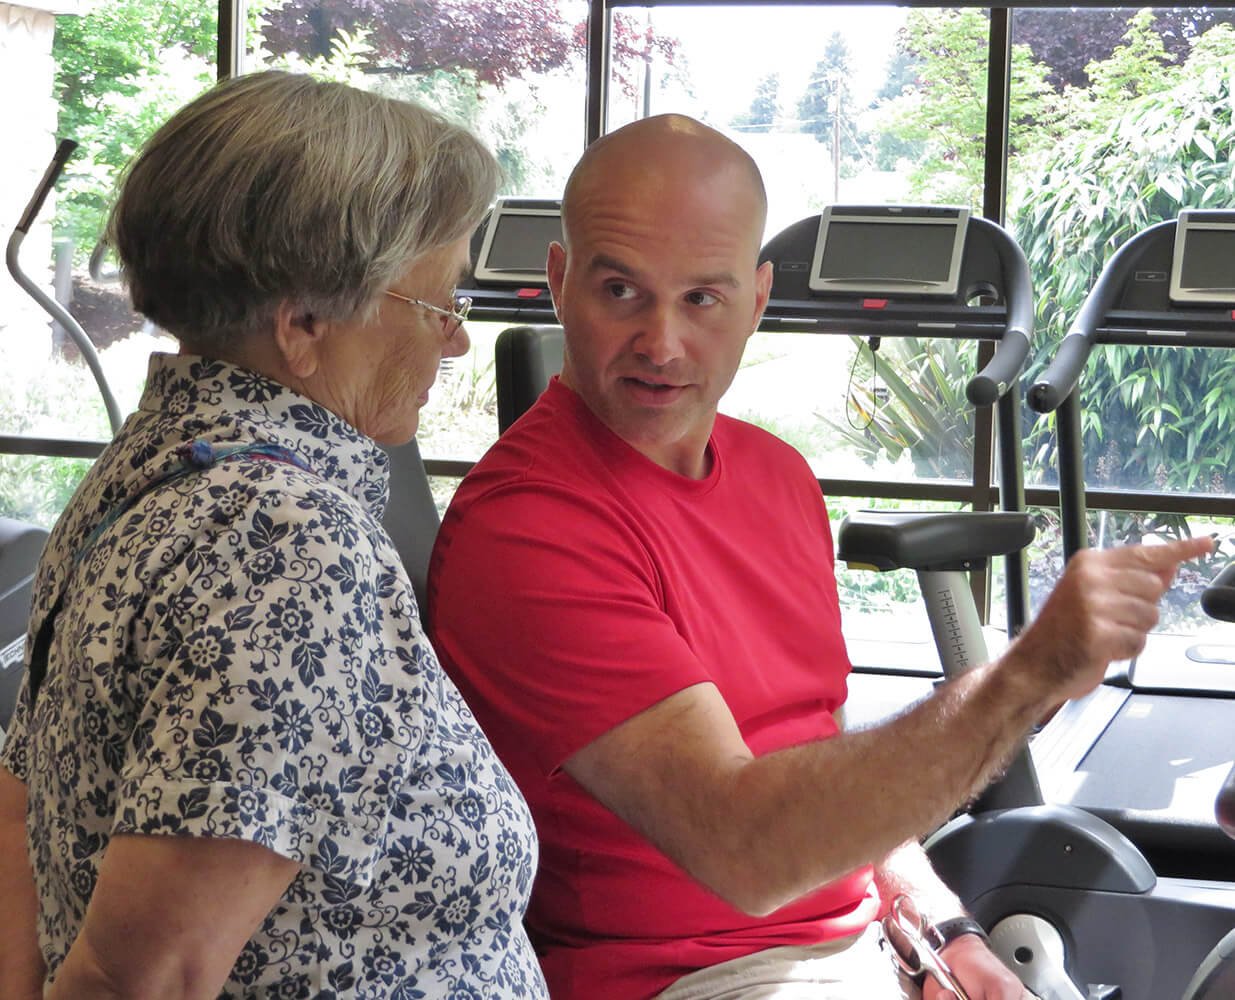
239 654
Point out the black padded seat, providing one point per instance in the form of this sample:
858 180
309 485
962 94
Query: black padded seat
525 358
411 517
890 540
21 546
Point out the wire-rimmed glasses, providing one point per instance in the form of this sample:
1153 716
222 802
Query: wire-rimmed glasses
453 317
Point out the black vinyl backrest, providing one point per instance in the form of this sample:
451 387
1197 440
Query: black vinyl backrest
411 515
526 358
21 546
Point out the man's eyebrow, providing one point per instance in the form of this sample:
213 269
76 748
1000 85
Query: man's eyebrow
603 262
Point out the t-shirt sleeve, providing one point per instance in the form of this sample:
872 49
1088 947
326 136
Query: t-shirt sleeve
548 611
277 665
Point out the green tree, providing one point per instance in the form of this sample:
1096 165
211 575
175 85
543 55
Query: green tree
901 74
120 71
827 107
764 107
944 109
1150 415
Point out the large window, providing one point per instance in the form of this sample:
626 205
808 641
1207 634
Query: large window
1117 117
1122 117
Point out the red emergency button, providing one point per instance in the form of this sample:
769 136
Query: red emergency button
529 293
874 303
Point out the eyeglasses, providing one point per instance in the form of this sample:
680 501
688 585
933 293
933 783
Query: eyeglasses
454 317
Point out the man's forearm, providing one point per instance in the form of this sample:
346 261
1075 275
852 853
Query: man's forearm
856 798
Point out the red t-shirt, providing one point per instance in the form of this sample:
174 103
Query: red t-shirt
575 583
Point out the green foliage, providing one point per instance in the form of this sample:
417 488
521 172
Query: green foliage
863 591
828 103
1151 415
920 410
63 402
349 52
944 109
120 72
764 112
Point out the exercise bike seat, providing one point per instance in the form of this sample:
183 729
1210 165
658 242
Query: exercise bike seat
926 540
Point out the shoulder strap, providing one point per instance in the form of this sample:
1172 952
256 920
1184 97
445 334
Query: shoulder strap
194 457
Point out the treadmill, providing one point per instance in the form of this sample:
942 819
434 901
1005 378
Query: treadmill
1148 751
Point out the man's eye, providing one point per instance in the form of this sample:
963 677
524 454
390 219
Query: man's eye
620 290
701 298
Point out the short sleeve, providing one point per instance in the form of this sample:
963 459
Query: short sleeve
15 741
281 685
547 610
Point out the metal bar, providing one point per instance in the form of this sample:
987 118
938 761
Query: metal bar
1012 497
17 444
998 100
983 455
1070 456
597 70
231 38
447 467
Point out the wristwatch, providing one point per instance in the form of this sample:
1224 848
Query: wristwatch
946 931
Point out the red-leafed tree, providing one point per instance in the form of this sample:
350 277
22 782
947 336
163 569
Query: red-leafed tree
631 47
495 41
1068 39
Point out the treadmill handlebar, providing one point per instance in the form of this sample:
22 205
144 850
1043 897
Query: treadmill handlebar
1056 383
1218 599
1060 378
54 169
1002 371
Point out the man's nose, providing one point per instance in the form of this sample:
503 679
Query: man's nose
659 339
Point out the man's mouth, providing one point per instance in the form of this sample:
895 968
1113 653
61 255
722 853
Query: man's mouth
654 386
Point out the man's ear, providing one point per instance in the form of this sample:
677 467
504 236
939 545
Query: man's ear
555 271
763 290
298 335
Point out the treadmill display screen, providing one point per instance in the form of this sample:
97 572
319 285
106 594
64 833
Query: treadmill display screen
516 244
521 242
1203 269
857 250
889 251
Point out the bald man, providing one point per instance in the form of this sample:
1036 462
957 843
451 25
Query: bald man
636 596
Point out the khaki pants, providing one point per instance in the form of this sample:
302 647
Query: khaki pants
850 968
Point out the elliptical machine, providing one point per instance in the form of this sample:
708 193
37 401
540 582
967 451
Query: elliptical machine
1071 904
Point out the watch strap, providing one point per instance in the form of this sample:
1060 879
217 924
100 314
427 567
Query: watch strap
947 931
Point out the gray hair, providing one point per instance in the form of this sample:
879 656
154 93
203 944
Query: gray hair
276 187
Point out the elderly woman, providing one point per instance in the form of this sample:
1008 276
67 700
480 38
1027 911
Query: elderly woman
236 769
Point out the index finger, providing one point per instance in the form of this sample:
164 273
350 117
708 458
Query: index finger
1169 554
1190 548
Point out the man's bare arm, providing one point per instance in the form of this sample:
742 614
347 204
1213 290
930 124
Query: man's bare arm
761 832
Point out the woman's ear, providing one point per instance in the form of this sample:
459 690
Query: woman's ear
299 337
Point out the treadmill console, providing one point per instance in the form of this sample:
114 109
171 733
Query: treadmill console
515 241
1203 264
895 250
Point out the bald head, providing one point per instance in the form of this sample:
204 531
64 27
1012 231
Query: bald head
653 158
